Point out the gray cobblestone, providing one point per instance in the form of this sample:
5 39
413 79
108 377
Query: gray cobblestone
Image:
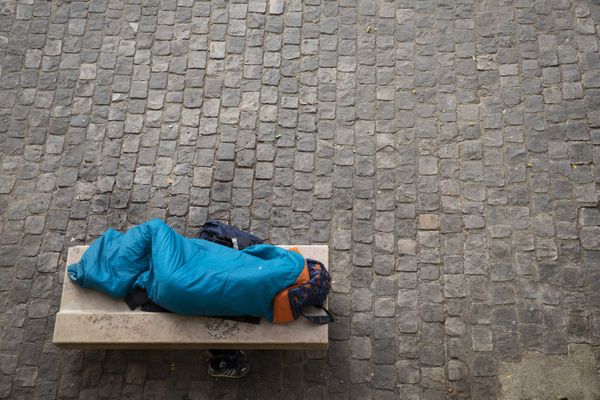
446 152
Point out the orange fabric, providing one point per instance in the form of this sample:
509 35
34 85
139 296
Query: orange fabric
303 277
281 308
282 312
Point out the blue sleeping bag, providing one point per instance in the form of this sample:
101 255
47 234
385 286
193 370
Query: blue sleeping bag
187 276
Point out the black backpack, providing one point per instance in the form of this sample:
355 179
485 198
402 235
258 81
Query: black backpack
226 235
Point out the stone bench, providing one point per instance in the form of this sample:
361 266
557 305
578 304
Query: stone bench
89 319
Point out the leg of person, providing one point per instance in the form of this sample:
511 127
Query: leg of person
238 355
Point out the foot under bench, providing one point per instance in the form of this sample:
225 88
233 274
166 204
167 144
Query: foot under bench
89 319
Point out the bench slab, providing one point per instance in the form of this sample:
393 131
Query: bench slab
89 319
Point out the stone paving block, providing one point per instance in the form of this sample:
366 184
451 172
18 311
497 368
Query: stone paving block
448 153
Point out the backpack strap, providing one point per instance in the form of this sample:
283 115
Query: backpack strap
136 298
243 318
139 297
319 319
153 307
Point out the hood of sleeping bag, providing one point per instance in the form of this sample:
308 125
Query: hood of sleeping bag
187 276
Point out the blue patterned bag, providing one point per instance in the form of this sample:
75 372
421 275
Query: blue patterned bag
312 293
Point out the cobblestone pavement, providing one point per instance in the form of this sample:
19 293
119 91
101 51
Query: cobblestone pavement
448 151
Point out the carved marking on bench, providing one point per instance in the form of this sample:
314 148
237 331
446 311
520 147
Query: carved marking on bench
223 328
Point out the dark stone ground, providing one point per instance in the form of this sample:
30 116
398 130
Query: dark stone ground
448 151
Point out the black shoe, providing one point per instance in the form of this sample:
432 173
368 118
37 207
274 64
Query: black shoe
227 368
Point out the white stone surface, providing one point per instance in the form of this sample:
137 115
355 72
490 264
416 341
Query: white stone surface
276 7
90 319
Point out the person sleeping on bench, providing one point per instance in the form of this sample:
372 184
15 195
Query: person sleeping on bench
225 273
